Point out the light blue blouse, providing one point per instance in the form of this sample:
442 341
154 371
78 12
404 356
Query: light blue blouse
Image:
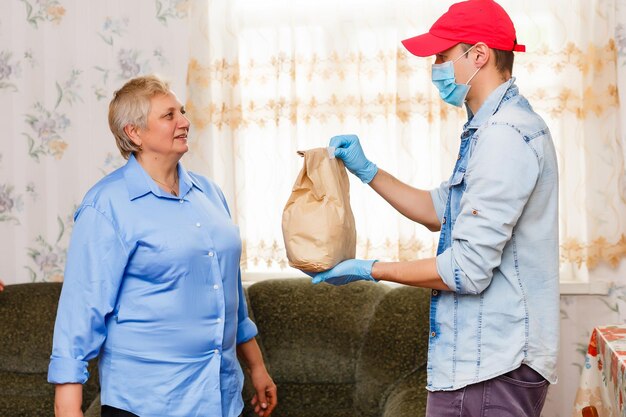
152 284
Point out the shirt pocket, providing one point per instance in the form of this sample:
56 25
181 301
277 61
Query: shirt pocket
457 188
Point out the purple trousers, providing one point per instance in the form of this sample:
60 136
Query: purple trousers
519 393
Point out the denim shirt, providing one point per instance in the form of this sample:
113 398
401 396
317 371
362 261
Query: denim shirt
498 249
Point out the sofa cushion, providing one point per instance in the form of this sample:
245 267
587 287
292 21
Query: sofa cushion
312 400
408 398
24 395
312 333
28 312
394 350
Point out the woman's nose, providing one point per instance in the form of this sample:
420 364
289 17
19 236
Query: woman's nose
184 121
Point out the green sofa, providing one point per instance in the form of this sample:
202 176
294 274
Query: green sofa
356 350
27 313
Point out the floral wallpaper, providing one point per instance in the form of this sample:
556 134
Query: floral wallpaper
61 60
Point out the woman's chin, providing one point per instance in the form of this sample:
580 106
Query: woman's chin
181 145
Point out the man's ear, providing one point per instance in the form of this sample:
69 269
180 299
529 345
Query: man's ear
482 55
133 133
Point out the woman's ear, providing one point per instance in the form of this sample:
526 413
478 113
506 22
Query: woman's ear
133 133
482 54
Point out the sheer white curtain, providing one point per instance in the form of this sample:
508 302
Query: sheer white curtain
267 79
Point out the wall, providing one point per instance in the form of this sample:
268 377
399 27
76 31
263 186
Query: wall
60 62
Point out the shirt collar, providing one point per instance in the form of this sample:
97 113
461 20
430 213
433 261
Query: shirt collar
139 182
500 95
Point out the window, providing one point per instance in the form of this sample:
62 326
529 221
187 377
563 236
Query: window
268 80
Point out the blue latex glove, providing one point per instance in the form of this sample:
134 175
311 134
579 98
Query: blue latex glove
348 149
346 272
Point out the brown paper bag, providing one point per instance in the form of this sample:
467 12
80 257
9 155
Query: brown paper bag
318 224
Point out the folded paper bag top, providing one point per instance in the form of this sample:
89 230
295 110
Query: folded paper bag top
318 224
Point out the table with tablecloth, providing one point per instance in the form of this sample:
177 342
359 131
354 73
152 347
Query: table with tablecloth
603 380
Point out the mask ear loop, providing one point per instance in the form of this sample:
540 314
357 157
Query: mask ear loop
472 77
459 57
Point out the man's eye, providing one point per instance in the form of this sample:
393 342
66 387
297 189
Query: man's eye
183 111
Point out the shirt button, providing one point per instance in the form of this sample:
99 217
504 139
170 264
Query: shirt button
211 254
474 212
433 334
435 292
181 201
216 287
219 320
443 221
197 224
216 351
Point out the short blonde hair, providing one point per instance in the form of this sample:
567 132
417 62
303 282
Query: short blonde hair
130 106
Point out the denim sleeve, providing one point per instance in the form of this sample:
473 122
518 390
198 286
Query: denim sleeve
93 272
501 175
439 196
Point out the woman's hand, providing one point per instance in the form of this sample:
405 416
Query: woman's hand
68 399
265 399
68 413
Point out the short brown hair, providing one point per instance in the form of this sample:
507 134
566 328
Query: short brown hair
503 59
130 106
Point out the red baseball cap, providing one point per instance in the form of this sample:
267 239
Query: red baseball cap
470 21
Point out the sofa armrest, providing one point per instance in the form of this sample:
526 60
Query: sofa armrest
407 398
94 408
393 356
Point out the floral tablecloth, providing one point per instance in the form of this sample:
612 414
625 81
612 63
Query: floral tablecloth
602 382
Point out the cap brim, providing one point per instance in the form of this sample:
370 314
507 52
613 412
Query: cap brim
427 45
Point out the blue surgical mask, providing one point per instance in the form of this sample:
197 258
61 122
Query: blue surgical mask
450 91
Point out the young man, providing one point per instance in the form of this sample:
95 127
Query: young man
494 314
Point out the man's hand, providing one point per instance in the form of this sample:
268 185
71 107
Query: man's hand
348 149
346 272
265 399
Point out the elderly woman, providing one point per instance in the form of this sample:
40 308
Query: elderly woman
152 280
